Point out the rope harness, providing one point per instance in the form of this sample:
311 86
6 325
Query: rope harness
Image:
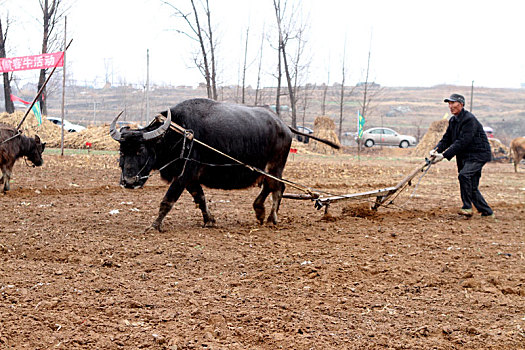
188 135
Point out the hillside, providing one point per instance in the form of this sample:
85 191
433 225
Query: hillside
409 110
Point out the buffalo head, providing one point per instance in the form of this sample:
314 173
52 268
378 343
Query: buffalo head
35 153
137 151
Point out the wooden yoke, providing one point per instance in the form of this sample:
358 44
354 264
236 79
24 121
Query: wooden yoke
175 127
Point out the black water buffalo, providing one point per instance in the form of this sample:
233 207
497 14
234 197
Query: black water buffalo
12 147
253 135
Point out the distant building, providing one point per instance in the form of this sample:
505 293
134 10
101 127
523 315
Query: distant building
369 84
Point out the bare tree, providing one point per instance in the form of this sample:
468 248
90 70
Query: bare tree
299 69
206 63
279 81
212 52
306 98
259 70
285 34
51 16
365 103
9 105
244 66
370 92
342 100
325 92
342 96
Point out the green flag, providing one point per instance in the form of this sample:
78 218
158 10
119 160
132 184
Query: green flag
36 112
360 124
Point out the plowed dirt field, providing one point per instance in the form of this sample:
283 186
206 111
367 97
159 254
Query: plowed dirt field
78 271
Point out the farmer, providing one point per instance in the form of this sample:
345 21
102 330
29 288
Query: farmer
466 140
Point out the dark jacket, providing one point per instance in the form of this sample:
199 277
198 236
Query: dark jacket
465 139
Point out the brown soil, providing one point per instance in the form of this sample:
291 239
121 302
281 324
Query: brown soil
78 271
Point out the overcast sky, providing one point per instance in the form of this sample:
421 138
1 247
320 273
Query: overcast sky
412 43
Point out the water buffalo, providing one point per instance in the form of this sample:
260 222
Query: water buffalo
12 147
253 135
517 151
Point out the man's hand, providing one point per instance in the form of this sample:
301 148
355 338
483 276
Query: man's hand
436 158
432 152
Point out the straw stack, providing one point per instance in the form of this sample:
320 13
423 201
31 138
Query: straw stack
97 136
430 140
500 152
324 128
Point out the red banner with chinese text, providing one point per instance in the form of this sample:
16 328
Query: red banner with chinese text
47 60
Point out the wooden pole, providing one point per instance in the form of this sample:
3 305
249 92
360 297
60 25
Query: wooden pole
147 87
471 95
63 89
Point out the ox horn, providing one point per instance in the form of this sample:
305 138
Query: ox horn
151 135
113 130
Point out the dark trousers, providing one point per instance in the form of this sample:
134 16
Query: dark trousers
469 175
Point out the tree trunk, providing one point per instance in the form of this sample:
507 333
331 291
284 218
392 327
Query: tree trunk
279 76
290 89
282 50
206 71
212 53
341 104
244 67
9 105
47 14
259 70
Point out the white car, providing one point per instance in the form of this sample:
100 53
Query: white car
68 126
387 137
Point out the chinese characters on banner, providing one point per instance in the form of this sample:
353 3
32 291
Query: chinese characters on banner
47 60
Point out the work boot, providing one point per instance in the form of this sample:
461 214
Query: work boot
488 216
465 212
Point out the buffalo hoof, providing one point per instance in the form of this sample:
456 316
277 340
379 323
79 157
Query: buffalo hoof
209 221
272 219
209 224
153 226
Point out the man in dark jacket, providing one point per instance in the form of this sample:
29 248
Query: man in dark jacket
466 140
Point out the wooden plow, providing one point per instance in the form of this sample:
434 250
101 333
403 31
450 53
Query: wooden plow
384 196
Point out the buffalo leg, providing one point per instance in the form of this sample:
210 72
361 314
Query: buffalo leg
198 197
166 204
6 177
277 195
2 179
258 204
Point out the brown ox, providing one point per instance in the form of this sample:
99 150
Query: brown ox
517 151
14 146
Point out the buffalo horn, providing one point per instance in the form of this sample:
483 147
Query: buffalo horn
113 130
151 135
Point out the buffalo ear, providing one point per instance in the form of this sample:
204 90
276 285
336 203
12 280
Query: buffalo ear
43 146
37 139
